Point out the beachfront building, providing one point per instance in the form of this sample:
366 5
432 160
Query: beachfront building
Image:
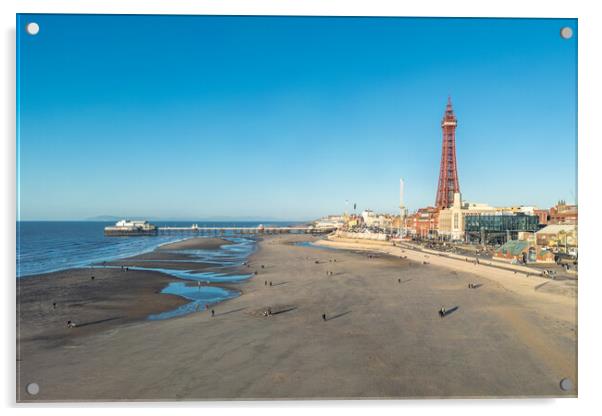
543 215
395 221
423 223
558 238
519 209
451 220
352 221
330 221
562 213
498 227
380 221
369 217
523 251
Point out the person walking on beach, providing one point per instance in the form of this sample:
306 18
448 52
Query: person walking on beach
212 313
270 283
265 283
324 317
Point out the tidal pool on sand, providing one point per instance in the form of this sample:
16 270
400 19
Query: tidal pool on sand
200 297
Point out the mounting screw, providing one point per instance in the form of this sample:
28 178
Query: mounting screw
566 33
32 28
33 388
566 384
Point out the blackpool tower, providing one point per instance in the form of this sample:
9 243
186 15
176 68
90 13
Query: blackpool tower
448 174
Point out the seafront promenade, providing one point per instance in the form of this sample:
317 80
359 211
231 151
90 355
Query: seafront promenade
344 323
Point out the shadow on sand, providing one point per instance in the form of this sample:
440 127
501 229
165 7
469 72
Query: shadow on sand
292 308
100 321
448 311
330 318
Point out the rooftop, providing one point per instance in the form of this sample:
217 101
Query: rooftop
556 228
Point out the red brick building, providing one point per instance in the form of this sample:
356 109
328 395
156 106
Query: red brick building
423 223
563 214
543 215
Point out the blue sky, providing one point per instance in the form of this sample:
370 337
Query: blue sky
192 117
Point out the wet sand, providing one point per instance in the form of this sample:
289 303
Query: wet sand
201 243
112 299
101 299
382 338
166 256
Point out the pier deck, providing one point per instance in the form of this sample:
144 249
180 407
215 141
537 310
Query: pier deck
246 230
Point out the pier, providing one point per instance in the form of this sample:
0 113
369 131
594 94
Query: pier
245 230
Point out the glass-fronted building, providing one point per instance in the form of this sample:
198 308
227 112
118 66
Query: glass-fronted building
498 227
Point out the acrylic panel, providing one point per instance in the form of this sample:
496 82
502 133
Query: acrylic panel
254 207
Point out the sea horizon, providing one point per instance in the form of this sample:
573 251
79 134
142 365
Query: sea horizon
208 220
51 246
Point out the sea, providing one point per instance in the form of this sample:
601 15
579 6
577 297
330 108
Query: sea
48 246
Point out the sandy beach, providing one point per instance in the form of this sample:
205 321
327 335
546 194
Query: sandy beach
114 298
170 256
382 336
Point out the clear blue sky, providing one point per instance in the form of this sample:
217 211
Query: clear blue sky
195 117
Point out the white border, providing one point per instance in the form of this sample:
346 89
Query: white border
590 159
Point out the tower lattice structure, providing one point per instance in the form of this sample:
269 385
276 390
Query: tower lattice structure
448 173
